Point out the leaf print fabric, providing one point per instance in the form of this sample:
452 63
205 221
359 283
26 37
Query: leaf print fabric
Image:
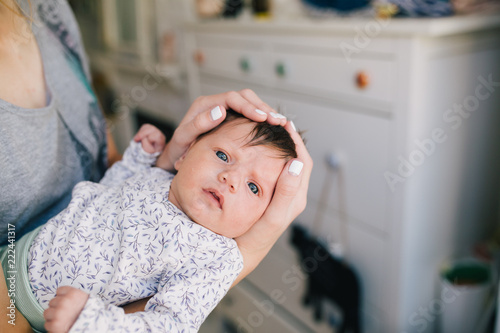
121 240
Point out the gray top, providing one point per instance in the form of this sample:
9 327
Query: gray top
45 152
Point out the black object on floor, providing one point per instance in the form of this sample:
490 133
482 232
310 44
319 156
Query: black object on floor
328 278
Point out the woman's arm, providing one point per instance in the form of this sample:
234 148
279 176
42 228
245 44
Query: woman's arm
113 154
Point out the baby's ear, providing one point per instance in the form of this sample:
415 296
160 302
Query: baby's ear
178 163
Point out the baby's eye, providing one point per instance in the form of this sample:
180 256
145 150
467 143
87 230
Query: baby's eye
221 155
253 188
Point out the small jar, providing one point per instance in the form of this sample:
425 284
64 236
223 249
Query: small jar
261 9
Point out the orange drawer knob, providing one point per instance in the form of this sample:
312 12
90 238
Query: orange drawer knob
199 57
362 80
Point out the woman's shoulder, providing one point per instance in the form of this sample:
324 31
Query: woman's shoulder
58 17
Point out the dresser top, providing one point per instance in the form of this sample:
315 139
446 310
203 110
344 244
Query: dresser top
425 27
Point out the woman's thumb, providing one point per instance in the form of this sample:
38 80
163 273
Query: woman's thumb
287 187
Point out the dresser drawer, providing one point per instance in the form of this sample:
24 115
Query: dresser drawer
319 70
333 76
228 57
360 144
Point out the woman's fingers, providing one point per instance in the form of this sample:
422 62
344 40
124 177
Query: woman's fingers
203 115
274 117
249 104
290 195
289 200
187 131
244 101
252 97
277 119
202 123
236 101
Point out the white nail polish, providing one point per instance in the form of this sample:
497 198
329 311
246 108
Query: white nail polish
260 112
216 113
293 126
274 115
296 167
281 116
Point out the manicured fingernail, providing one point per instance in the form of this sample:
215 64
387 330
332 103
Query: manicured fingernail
293 126
295 167
278 115
216 113
260 112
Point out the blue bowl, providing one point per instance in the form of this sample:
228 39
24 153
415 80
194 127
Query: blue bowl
340 5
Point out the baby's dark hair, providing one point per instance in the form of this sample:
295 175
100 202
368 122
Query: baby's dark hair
263 134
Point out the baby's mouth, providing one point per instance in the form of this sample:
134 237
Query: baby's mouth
217 196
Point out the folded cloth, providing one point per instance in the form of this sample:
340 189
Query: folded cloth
14 259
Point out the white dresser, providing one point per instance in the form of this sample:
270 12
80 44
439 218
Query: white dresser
406 110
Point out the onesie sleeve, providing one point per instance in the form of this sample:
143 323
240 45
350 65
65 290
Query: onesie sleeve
183 300
134 160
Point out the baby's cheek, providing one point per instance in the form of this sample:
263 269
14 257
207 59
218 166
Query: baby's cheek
259 211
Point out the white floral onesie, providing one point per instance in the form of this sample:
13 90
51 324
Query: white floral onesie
120 240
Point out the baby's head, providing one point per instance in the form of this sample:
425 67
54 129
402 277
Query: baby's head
226 179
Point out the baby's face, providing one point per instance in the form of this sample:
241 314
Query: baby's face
223 184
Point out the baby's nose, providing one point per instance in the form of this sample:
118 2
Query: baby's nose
231 179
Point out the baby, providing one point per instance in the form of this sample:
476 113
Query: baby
144 232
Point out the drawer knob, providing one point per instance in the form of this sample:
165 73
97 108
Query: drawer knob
281 69
333 161
199 57
362 80
245 65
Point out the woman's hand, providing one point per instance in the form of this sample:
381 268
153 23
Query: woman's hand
290 196
206 112
289 200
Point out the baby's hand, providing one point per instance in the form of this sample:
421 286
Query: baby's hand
64 309
151 138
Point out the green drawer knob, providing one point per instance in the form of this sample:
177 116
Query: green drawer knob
245 65
281 69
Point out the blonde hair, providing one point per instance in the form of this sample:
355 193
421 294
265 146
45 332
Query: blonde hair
17 10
